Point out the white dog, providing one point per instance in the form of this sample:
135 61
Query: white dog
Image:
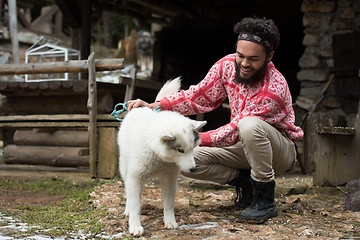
155 144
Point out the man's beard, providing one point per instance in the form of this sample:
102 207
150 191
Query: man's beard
253 79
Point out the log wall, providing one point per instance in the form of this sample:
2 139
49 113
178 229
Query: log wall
39 137
47 155
60 148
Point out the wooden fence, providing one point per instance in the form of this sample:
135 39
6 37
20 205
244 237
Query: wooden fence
89 66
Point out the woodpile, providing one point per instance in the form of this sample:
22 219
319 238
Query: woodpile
60 148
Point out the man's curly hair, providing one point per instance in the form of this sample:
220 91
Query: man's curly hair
262 27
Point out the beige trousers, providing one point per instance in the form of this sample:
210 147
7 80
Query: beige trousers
261 148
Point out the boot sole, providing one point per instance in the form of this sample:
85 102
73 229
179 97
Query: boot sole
261 220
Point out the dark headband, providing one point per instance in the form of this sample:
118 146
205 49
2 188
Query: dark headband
255 39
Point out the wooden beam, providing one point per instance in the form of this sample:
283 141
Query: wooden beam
61 67
67 124
54 118
57 121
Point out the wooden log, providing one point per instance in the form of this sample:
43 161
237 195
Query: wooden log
50 124
33 137
75 66
46 155
46 124
57 121
54 104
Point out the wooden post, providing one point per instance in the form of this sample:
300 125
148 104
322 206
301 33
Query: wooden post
92 106
14 31
108 152
130 89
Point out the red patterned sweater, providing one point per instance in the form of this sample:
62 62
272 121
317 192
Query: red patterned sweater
269 100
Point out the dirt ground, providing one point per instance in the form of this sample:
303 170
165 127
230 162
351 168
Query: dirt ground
14 198
204 211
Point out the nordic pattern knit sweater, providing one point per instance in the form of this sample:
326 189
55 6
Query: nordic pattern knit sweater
269 100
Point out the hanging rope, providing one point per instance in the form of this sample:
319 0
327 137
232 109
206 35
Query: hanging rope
116 112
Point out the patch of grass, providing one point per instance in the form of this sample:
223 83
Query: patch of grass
67 217
64 218
51 186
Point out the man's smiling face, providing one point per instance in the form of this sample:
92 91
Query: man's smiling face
250 62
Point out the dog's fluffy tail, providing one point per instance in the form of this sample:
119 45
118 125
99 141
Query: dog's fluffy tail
170 86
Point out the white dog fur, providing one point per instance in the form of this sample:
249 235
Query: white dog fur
155 144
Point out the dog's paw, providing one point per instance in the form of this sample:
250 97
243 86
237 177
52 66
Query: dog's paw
136 231
170 224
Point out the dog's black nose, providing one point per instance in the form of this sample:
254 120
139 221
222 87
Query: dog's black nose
193 169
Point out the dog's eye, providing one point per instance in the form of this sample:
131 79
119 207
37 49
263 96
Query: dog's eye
180 150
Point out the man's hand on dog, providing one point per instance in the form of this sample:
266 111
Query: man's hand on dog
140 103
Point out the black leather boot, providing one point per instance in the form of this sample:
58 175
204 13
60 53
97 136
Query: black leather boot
263 206
244 190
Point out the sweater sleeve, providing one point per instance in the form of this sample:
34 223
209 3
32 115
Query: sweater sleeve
226 135
203 97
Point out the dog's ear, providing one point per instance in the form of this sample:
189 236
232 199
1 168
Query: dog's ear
198 124
167 138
